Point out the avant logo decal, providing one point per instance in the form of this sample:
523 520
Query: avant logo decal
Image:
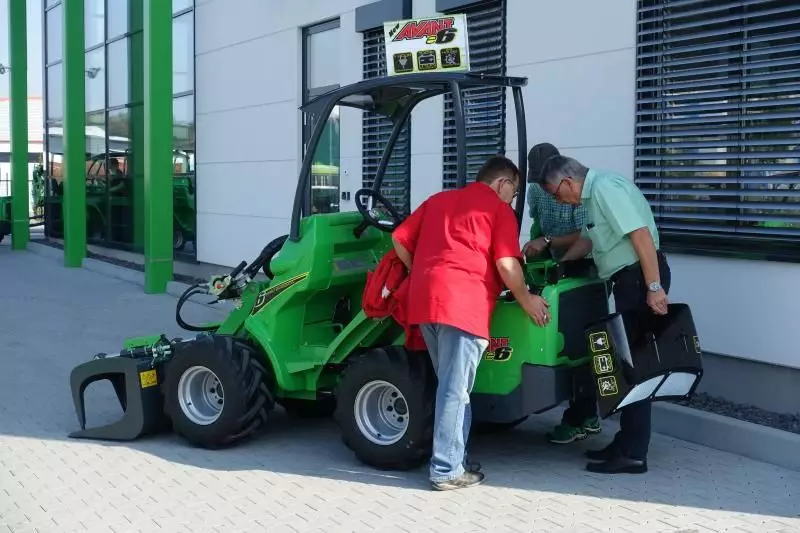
270 293
498 350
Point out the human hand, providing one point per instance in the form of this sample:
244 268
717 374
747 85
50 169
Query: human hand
537 308
534 247
658 302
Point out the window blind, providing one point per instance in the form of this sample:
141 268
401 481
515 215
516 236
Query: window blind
484 108
718 123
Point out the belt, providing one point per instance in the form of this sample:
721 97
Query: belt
660 257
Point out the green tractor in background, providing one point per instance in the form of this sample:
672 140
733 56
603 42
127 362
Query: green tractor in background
300 339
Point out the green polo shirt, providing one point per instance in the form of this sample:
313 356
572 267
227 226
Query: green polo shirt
615 207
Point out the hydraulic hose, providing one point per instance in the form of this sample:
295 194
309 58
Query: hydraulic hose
188 293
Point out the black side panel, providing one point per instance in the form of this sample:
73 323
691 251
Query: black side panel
542 388
576 310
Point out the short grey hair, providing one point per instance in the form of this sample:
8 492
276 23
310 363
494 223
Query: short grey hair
559 167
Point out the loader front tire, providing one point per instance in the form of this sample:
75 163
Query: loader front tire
217 391
385 405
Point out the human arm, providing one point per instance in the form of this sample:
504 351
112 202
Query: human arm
579 249
646 251
514 279
403 254
507 259
406 235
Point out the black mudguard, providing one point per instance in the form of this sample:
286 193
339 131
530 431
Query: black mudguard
640 357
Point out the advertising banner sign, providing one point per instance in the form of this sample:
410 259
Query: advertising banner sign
433 44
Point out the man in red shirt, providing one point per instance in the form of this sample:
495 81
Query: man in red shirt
461 247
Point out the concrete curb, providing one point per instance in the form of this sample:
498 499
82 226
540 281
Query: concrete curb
739 437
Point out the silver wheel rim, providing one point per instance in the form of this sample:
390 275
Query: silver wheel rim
200 395
381 413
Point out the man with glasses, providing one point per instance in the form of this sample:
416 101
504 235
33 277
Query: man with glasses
555 228
461 247
622 236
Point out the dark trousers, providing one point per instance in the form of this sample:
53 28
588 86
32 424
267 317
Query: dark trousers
630 294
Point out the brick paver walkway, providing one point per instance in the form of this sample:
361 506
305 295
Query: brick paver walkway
297 476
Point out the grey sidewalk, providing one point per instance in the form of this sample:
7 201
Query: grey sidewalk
298 476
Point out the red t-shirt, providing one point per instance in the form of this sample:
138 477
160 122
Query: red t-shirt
455 237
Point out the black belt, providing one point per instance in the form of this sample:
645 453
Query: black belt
660 257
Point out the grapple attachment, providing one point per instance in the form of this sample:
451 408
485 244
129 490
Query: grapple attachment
135 375
644 357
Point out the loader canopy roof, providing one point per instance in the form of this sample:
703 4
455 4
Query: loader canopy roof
395 97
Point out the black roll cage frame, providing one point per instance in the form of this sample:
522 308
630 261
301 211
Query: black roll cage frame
395 97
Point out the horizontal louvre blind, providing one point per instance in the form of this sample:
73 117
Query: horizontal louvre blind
484 108
377 129
718 122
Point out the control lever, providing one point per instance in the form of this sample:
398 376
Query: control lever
238 269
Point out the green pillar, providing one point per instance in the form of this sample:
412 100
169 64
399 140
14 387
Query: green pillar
137 120
18 57
157 145
74 200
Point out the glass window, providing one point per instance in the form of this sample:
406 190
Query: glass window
94 22
51 2
183 53
325 168
95 147
54 35
95 80
180 5
183 125
55 88
117 18
118 75
323 58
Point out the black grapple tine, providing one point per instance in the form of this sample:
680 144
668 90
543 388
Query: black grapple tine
139 396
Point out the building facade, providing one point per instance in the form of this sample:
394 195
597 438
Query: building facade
698 102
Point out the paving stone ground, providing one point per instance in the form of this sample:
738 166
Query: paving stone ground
297 476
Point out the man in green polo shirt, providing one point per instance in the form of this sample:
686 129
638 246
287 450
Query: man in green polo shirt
621 235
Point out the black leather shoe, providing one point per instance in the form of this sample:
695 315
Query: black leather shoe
609 452
619 465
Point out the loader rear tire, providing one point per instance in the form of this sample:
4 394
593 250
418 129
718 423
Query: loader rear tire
217 391
396 433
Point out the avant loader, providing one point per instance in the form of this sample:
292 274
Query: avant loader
299 339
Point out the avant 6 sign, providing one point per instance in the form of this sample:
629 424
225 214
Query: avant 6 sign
427 45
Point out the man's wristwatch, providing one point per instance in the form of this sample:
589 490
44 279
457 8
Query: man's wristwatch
548 240
654 286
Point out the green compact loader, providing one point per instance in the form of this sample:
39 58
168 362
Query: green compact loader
300 339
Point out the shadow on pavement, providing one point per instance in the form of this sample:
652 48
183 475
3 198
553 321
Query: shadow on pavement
53 318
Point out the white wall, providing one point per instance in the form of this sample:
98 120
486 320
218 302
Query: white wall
249 133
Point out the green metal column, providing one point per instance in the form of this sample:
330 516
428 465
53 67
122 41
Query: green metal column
74 135
18 57
157 145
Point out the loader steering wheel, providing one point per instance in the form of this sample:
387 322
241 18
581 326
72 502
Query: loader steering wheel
371 215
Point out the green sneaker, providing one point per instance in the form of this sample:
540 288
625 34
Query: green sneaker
564 433
592 425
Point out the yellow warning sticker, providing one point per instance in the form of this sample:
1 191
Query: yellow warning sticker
607 386
603 364
599 342
149 378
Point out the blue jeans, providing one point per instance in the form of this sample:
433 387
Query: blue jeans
455 355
